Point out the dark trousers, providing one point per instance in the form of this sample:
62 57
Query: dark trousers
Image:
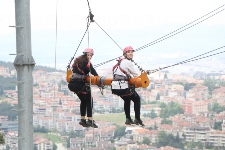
84 94
134 97
86 104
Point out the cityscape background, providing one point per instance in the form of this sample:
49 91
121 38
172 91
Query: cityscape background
184 105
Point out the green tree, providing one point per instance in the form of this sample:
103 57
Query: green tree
165 76
60 102
162 141
72 134
169 140
155 126
216 108
166 121
158 96
145 141
218 125
1 91
2 140
162 105
211 84
35 147
152 114
54 146
8 110
171 110
8 83
7 147
187 86
120 131
41 129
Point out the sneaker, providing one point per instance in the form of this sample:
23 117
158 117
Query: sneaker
129 121
138 122
83 123
91 123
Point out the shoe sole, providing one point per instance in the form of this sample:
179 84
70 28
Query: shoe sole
90 125
93 126
84 125
139 124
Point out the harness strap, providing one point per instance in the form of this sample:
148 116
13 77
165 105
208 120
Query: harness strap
85 89
118 66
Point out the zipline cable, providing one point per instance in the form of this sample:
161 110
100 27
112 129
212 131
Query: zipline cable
56 40
188 60
169 35
78 45
109 35
91 16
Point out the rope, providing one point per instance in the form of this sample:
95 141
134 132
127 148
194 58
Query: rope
167 36
171 34
108 35
91 20
188 60
116 44
78 45
56 39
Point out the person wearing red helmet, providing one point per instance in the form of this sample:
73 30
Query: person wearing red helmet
81 68
122 71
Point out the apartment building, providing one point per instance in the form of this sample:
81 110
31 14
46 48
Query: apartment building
217 138
194 107
196 134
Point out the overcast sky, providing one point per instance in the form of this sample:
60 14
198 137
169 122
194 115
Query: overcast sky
128 22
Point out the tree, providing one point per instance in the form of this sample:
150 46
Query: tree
162 141
145 141
35 147
218 125
8 83
171 110
158 96
162 105
155 126
120 131
217 108
41 129
54 147
165 121
1 90
8 110
169 140
60 102
165 76
152 114
2 140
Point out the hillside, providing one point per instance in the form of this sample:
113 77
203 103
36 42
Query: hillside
44 68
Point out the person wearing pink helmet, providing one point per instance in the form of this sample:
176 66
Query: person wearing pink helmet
81 68
122 71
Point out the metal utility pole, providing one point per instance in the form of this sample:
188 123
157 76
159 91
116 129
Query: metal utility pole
24 64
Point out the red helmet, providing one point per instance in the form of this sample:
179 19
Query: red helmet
128 48
88 50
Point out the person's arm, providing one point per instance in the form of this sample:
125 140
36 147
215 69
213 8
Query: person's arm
93 71
127 66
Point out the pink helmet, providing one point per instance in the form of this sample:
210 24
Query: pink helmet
128 48
88 50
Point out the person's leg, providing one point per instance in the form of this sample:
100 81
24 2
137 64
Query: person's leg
126 106
89 106
82 110
137 108
137 104
82 105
